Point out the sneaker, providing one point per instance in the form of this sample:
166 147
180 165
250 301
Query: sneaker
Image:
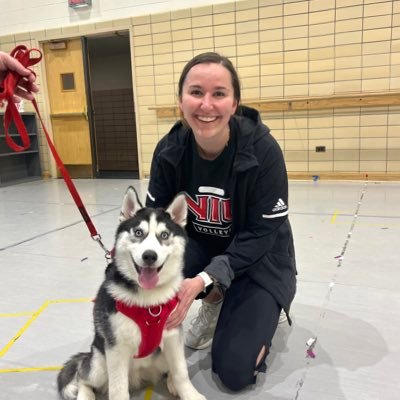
282 317
201 332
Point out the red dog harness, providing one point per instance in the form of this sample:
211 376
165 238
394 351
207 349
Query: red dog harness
151 321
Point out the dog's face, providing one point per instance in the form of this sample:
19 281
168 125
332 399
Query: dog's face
150 242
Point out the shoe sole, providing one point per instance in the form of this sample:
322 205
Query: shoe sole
201 347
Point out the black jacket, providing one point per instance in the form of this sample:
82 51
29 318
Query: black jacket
262 244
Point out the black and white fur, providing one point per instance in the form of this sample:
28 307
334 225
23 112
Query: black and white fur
109 367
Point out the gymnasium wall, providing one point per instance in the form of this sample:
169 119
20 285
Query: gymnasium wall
283 50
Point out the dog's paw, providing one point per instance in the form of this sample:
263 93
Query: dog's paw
191 394
194 396
198 396
184 391
171 386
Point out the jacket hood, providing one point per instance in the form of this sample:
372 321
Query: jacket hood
249 130
172 146
250 124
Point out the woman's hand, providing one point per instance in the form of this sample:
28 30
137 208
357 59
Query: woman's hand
189 290
26 84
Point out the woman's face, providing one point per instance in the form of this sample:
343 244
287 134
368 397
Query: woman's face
207 101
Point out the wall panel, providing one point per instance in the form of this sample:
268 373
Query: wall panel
281 50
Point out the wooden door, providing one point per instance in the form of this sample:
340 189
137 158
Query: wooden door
67 94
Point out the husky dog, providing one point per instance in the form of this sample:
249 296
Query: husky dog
130 346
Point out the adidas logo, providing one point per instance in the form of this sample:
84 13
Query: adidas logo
280 206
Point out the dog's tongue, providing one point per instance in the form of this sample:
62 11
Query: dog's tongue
148 278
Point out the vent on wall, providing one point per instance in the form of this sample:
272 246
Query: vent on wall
58 45
79 3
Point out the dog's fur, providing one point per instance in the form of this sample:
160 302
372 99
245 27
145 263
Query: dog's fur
110 366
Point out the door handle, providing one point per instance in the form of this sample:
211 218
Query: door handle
70 114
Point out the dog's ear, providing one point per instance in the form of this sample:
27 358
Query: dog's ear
178 209
130 204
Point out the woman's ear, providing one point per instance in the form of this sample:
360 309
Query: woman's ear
235 106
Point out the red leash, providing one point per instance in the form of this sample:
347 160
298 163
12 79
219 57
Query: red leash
22 54
11 80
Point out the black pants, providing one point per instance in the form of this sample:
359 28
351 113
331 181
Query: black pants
247 322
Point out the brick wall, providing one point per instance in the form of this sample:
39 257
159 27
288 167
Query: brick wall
282 49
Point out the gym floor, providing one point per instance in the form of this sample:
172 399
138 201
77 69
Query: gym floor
344 341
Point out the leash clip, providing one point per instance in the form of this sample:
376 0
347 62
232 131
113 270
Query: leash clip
97 238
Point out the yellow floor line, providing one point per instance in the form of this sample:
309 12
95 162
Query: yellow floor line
80 300
34 316
148 393
24 328
334 216
32 369
20 314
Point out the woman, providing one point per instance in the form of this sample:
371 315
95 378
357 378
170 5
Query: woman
240 256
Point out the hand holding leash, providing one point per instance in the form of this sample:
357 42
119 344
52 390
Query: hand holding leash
16 79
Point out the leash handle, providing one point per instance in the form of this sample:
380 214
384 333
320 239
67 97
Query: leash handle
23 55
10 83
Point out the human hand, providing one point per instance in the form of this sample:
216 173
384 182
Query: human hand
26 85
189 290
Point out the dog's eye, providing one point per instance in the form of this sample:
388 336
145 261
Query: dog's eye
138 232
164 235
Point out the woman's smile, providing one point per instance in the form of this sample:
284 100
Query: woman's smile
206 118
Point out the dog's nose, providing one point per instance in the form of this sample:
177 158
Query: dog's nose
149 257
